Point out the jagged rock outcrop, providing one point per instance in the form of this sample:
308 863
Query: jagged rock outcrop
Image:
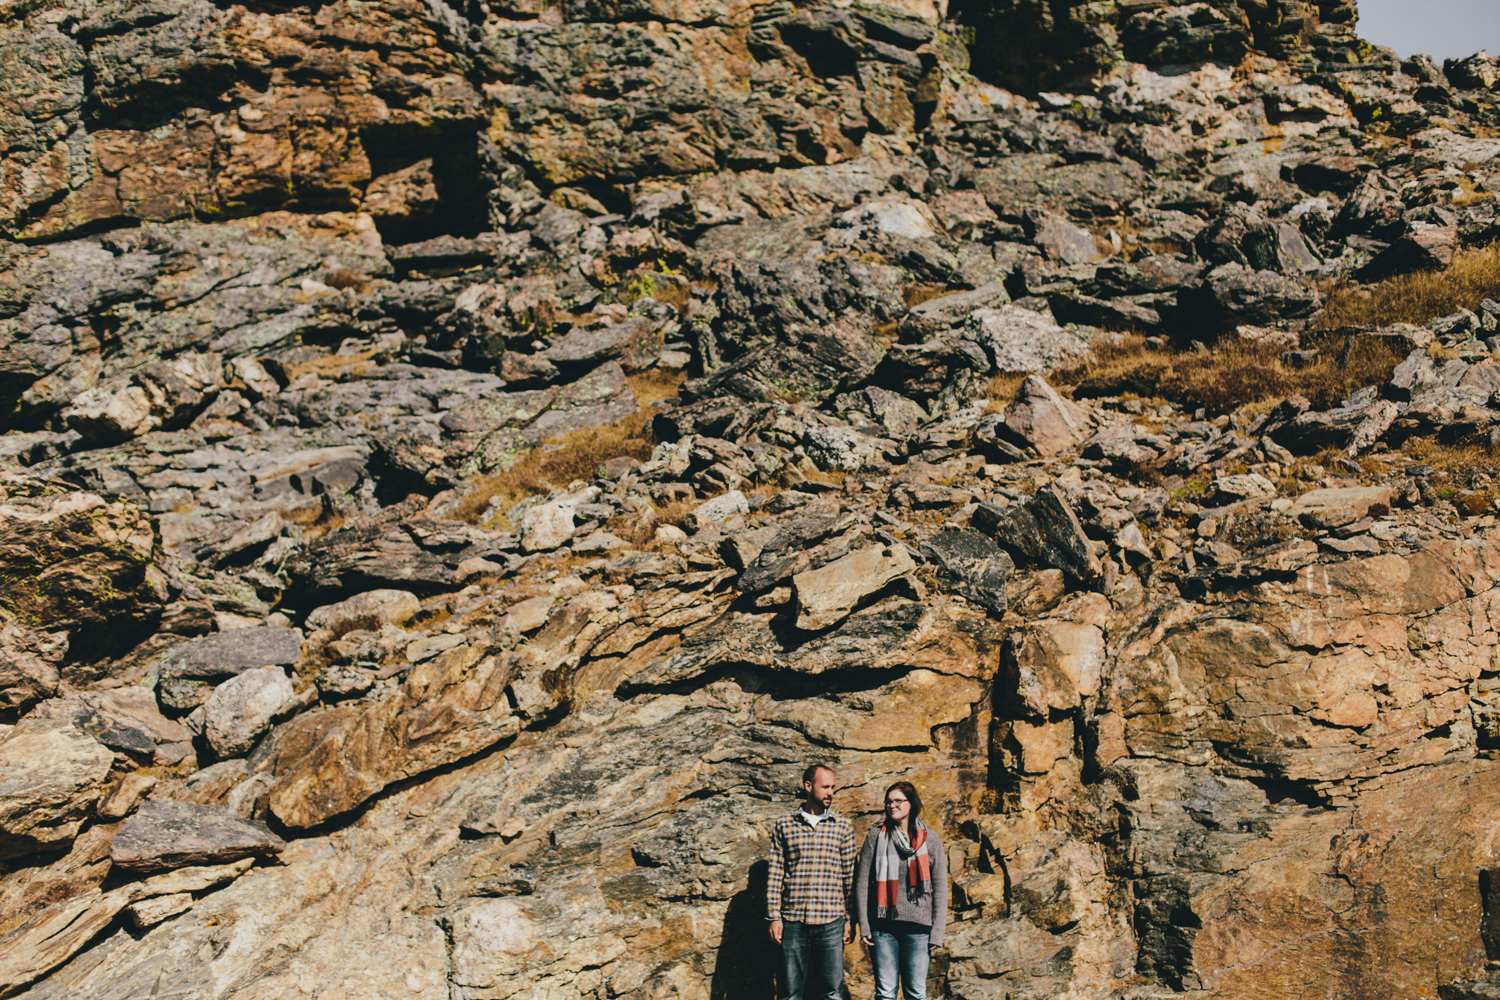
461 462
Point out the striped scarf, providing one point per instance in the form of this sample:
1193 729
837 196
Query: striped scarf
893 850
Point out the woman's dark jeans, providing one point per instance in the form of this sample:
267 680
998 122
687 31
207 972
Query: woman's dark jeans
812 961
899 949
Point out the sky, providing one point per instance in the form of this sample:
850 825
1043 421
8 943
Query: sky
1443 29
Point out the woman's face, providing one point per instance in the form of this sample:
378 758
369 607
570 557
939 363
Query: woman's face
897 808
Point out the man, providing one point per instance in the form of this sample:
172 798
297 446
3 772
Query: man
807 896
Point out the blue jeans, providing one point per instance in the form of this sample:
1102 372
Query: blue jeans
812 961
899 948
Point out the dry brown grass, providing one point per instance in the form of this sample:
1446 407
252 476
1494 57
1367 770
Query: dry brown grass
344 278
1454 459
1473 276
1465 474
791 476
334 367
655 384
675 513
561 460
1002 390
1468 193
915 295
1235 374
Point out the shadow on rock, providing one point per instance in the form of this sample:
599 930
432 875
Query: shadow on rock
748 958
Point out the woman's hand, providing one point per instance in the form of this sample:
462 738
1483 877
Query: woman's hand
868 942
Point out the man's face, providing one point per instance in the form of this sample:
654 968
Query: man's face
820 789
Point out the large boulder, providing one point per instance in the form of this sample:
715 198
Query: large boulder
1233 294
368 611
164 394
241 709
1044 531
826 595
1040 419
1020 340
226 654
51 774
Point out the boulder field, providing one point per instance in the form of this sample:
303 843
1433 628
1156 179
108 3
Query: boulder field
460 462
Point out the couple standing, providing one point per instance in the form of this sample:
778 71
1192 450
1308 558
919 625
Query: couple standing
902 872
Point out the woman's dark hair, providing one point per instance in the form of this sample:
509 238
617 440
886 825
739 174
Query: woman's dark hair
910 791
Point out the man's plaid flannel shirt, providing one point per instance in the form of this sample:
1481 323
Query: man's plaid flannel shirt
812 869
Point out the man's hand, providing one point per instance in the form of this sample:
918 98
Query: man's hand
776 931
869 942
848 932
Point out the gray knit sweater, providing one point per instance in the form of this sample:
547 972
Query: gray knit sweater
931 910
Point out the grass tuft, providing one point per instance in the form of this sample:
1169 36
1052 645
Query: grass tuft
1002 391
1473 277
344 278
561 460
1233 375
915 295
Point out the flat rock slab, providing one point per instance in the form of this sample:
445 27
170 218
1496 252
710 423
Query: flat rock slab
225 654
1334 508
178 834
125 720
826 595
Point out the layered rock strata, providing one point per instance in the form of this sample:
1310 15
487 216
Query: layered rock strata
462 462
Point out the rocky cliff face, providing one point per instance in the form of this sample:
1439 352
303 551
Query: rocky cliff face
462 462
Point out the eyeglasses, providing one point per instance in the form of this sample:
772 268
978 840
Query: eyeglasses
895 802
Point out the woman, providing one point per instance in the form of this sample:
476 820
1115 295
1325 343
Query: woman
903 866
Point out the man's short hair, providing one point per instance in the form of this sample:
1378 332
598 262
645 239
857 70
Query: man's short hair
811 774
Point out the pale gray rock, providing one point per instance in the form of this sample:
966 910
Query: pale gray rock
720 508
163 394
550 524
1020 340
845 449
1065 242
225 654
1250 486
241 709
